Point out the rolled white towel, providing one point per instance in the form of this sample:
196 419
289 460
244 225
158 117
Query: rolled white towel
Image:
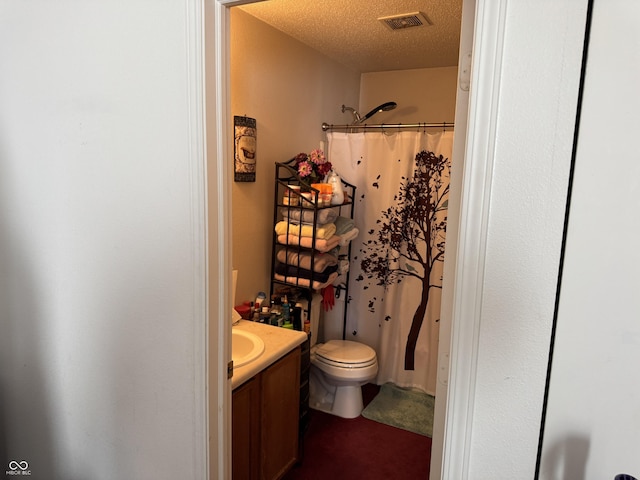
347 237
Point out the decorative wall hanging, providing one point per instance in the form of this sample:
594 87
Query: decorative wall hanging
244 165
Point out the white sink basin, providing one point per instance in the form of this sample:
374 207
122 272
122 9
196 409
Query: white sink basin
245 347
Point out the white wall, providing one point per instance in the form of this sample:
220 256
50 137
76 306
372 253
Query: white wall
102 255
594 401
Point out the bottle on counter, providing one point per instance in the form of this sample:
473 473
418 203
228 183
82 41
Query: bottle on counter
286 311
296 315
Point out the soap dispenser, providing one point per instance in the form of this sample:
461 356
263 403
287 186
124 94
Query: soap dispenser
337 193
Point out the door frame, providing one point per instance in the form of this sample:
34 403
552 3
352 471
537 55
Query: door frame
468 215
465 274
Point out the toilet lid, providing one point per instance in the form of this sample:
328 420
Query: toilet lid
345 352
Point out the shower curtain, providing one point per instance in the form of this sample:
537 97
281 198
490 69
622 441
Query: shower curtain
402 182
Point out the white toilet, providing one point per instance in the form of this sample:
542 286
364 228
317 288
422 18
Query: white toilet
339 368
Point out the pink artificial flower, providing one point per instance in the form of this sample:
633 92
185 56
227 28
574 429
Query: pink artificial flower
305 169
317 156
313 164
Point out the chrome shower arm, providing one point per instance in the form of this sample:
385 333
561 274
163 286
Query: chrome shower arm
356 115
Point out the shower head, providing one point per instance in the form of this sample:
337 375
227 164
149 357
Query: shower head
385 107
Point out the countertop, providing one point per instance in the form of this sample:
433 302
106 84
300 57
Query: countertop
277 343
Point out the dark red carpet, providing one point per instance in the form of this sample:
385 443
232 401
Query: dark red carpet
337 448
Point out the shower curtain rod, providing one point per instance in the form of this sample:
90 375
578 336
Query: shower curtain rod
382 126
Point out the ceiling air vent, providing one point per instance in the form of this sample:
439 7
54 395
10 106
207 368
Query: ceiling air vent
405 20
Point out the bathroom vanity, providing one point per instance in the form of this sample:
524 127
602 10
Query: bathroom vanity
265 405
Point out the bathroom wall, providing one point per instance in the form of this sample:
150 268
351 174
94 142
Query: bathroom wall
290 89
423 95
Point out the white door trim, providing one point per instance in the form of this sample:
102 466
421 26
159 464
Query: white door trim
472 235
216 60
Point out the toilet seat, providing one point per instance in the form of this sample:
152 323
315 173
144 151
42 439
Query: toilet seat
346 365
345 354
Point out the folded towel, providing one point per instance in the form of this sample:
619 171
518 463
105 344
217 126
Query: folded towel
291 271
325 231
303 259
298 215
343 225
347 237
303 282
322 245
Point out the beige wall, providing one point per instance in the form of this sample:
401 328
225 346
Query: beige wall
290 90
422 95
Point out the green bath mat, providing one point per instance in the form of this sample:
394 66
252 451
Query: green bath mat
404 408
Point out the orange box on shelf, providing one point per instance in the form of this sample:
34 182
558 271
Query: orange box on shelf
324 193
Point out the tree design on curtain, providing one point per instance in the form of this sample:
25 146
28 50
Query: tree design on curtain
410 238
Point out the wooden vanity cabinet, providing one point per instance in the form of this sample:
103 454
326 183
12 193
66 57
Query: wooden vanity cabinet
245 437
265 412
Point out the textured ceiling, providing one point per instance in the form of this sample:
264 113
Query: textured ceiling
348 31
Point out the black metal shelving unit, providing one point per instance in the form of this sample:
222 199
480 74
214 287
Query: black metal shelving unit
286 183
